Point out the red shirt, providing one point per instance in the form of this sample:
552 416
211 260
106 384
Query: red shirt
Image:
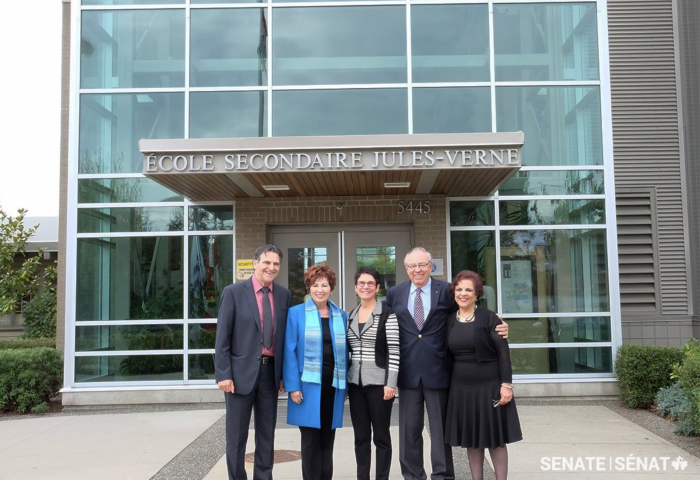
257 288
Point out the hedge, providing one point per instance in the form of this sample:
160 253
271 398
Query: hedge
29 378
688 375
644 370
28 343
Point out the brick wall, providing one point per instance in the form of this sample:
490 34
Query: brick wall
254 216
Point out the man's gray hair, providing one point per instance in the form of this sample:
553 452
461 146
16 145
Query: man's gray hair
264 249
417 249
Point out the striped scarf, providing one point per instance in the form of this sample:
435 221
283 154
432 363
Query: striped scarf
313 346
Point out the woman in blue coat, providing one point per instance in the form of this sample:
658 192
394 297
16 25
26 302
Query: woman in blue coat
315 370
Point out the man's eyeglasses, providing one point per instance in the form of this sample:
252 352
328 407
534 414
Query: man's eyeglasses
417 266
366 284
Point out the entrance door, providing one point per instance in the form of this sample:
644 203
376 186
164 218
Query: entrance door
344 248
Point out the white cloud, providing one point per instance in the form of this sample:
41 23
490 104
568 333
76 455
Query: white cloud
30 105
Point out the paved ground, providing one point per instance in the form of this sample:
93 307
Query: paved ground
563 440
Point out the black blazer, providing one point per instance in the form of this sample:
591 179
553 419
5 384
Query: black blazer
239 336
490 346
423 353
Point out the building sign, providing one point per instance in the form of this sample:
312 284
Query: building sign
342 154
244 269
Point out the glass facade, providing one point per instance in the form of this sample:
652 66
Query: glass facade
151 265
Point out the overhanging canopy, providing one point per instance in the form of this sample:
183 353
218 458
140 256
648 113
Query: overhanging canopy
461 164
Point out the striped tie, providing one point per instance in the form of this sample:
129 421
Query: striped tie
418 313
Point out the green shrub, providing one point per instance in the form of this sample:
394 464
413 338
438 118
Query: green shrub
29 377
673 402
27 343
643 370
40 315
688 374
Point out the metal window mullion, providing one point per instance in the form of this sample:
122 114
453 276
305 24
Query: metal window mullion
555 168
228 89
119 323
344 86
130 90
109 176
497 241
230 6
550 83
448 229
203 233
409 67
551 197
555 315
128 234
450 84
171 6
128 353
490 228
186 292
188 41
492 70
355 3
529 346
268 64
130 205
525 228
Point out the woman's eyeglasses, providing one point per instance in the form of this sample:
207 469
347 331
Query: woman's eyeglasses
366 284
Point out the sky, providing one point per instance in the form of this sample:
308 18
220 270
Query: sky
30 106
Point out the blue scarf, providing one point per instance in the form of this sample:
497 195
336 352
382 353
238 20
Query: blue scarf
313 346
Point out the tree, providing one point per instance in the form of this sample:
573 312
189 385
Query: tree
19 274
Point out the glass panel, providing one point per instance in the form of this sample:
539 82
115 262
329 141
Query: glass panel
6 320
552 212
132 49
364 112
228 47
211 217
211 269
468 214
201 335
128 337
211 114
121 368
559 330
298 261
201 367
451 110
450 43
312 46
562 125
142 219
546 42
476 251
133 2
124 190
112 125
383 259
136 278
195 2
573 182
545 271
531 361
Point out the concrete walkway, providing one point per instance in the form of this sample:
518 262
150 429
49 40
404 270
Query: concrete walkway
561 442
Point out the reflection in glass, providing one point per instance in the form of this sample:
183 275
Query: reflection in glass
228 114
123 190
452 110
141 219
473 213
201 367
135 278
532 361
562 124
228 47
298 261
210 270
450 43
549 271
211 217
559 330
552 212
201 336
572 182
339 45
121 368
340 112
476 251
546 42
195 2
383 259
128 337
134 2
132 49
112 125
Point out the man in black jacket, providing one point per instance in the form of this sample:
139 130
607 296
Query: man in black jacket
423 306
248 361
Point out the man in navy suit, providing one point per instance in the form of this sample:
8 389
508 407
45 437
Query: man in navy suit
248 361
423 306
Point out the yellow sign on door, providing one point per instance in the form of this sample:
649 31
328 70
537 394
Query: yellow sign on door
244 269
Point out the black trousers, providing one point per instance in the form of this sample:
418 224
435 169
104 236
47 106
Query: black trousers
317 443
263 399
412 404
370 414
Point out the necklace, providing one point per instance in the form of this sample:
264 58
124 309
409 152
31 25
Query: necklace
468 319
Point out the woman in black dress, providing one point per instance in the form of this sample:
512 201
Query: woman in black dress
481 411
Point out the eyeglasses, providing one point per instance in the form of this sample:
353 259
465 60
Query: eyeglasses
496 403
417 266
366 284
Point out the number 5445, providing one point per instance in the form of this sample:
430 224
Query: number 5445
414 207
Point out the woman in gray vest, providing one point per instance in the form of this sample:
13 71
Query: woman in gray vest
373 340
